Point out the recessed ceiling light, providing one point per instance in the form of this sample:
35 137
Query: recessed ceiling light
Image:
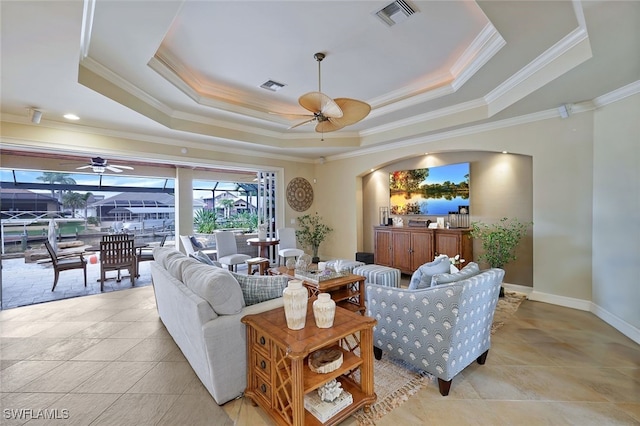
71 117
504 152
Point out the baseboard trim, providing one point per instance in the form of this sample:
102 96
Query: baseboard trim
622 326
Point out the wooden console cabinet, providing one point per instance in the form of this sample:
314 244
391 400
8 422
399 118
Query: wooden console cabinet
407 248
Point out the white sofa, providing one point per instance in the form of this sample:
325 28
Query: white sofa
202 314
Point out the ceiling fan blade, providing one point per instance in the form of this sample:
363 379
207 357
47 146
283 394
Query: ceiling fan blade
122 167
84 167
329 125
113 169
353 111
319 102
302 123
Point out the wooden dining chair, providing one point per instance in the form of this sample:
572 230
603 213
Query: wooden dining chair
116 255
146 254
65 263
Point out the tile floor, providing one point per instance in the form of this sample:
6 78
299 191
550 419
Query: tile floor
106 359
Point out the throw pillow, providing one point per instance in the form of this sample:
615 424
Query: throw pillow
195 243
256 289
421 278
468 271
216 285
201 257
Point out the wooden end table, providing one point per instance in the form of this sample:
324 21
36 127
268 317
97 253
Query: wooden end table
278 375
347 291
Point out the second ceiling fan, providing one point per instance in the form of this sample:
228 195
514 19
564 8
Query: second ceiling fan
330 114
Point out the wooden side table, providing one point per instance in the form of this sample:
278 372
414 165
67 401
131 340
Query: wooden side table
347 291
278 375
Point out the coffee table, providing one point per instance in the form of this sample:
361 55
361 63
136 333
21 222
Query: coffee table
346 291
278 375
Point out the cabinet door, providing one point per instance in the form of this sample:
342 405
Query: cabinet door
382 247
422 249
402 251
448 243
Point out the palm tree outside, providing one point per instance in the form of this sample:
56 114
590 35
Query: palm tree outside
56 177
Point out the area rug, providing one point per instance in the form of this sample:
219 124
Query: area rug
396 382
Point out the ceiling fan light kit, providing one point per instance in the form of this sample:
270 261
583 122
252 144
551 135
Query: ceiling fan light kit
330 114
99 165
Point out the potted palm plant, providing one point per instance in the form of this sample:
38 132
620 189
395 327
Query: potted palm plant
499 241
311 233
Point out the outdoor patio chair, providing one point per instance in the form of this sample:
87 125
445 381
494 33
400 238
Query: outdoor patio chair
146 253
115 256
287 246
65 263
228 250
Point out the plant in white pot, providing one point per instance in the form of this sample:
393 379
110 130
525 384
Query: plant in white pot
311 233
499 241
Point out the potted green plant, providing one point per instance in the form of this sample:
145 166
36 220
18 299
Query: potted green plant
311 233
499 241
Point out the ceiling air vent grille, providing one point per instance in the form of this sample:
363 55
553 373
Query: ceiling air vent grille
395 12
274 86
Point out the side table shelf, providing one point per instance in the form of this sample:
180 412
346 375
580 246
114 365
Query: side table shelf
278 375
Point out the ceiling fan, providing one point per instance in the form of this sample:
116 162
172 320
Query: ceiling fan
329 114
99 165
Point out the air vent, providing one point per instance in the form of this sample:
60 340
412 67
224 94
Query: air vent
274 86
396 12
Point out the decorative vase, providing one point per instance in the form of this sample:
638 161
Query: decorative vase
262 232
290 263
324 310
295 304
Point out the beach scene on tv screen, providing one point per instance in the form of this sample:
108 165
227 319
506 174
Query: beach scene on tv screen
429 191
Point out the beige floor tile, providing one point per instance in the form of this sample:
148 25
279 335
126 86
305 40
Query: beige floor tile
65 329
136 409
195 410
165 377
80 409
65 349
23 329
64 377
107 350
100 330
114 377
242 412
21 349
19 408
631 409
138 329
150 350
23 372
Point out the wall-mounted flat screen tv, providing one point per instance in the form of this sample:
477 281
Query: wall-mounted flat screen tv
430 191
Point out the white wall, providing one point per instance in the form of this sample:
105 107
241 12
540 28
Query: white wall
616 213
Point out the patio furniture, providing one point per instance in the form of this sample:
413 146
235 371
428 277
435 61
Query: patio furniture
65 263
287 246
190 249
146 253
228 250
116 255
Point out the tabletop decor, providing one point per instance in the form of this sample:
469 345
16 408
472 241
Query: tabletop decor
311 233
295 304
325 361
316 277
324 310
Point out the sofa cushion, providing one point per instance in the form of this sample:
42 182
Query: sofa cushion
421 278
257 289
216 285
163 254
468 271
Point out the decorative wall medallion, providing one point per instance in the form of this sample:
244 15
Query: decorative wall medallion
299 194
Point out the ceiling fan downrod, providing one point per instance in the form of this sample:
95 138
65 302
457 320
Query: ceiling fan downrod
319 57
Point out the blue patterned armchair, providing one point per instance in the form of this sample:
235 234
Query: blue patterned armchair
440 329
